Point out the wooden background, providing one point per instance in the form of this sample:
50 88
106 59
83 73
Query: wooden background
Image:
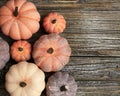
93 31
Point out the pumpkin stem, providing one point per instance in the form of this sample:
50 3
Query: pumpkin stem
64 88
50 50
20 49
22 84
15 13
54 21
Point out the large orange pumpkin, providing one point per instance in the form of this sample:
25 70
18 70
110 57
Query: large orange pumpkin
19 19
51 52
21 50
54 23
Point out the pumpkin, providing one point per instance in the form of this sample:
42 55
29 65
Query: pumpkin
21 51
54 23
61 84
51 52
4 53
25 79
19 19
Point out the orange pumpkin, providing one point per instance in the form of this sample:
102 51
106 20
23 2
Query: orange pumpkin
54 23
19 19
51 52
21 51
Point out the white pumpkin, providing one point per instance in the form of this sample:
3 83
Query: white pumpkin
25 79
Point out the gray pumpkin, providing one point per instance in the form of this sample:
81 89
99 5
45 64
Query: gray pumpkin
4 53
61 84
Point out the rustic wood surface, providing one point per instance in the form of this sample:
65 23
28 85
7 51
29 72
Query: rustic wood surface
93 31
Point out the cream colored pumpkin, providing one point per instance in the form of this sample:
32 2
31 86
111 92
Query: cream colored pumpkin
25 79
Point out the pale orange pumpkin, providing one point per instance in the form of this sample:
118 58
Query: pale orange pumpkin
21 51
54 23
51 52
19 19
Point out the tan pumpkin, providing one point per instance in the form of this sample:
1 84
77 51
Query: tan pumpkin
25 79
19 19
21 51
51 52
54 23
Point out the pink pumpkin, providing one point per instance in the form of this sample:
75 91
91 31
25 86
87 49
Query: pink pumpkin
54 23
51 52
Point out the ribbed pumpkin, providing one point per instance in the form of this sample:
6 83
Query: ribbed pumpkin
25 79
51 52
19 19
4 53
21 51
54 23
61 84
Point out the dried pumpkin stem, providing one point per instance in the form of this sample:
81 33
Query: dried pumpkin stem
64 88
50 50
54 21
22 84
20 49
15 13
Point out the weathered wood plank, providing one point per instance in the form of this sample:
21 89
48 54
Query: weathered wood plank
94 24
98 88
89 15
62 1
94 68
85 15
94 44
100 1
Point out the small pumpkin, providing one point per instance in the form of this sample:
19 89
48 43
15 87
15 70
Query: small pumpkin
19 19
4 53
51 52
61 84
21 51
54 23
25 79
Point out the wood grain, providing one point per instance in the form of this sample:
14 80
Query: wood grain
98 88
94 68
93 32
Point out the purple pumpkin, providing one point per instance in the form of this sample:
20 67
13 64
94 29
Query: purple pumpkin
61 84
4 53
